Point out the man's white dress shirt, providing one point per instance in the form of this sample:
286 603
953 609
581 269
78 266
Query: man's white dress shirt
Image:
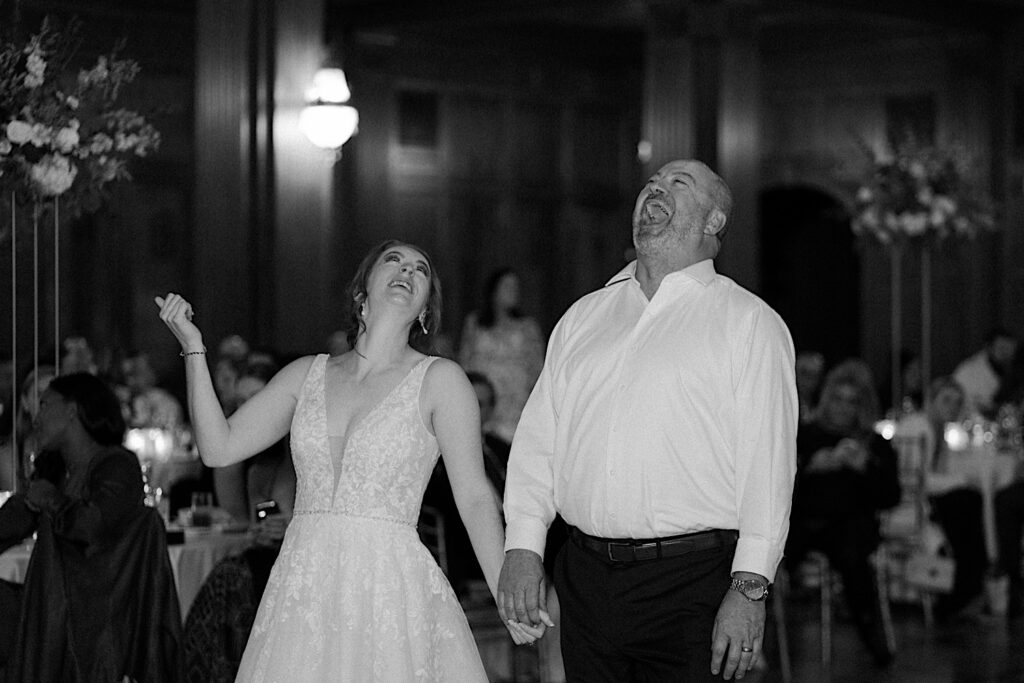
662 417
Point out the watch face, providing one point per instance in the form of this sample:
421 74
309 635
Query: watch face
756 592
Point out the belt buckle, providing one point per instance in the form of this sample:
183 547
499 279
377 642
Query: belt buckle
613 545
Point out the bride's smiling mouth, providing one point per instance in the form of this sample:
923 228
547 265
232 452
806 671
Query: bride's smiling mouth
401 283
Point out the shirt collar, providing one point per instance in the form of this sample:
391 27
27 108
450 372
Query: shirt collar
702 271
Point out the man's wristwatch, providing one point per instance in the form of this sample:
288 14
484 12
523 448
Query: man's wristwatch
751 589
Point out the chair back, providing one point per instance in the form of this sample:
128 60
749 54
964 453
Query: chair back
908 518
100 613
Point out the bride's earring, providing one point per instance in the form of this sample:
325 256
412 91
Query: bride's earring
422 318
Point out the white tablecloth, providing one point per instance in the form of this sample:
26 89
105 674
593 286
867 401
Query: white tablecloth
191 561
14 562
988 470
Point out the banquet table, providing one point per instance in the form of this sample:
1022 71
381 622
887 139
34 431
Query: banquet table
191 561
988 469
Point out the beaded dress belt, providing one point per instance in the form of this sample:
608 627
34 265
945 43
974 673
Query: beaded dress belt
355 515
630 550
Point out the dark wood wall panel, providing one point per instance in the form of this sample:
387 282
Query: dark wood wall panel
828 94
527 130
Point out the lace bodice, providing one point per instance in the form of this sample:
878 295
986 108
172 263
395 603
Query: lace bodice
387 459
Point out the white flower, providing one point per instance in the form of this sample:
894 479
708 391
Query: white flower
917 170
19 132
914 224
100 143
36 67
865 195
925 195
5 147
944 204
41 135
53 174
66 140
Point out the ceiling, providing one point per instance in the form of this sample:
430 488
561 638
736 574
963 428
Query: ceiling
631 15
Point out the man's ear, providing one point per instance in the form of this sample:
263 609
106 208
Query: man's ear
715 222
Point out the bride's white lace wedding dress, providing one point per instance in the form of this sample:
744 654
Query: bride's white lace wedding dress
354 595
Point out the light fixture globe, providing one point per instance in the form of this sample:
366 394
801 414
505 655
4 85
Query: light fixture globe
328 125
329 85
326 120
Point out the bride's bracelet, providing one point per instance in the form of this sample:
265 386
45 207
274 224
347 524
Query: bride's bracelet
184 353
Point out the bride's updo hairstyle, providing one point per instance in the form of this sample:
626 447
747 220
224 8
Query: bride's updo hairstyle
357 295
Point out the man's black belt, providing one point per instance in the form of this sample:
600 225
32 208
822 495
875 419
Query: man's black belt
635 550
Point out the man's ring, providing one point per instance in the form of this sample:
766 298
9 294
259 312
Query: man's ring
747 649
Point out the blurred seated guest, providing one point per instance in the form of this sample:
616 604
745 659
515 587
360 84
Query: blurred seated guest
982 374
99 602
150 406
496 448
268 475
1009 511
232 354
810 370
911 387
846 474
956 506
32 387
77 356
506 346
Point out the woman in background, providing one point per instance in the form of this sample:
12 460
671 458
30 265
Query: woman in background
99 602
954 503
501 343
846 474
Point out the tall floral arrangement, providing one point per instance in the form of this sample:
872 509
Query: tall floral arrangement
62 132
917 195
914 191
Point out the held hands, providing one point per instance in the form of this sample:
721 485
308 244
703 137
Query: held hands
522 595
177 315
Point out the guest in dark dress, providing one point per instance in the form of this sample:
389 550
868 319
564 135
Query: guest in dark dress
99 602
846 474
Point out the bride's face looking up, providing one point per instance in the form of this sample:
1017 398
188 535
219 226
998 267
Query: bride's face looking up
400 281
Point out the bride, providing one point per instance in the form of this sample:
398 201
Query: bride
354 595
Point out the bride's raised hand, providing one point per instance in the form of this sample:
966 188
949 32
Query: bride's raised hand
527 634
523 634
176 313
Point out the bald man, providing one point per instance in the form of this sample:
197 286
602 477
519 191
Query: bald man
663 430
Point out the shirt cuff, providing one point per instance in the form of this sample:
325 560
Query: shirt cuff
757 556
526 534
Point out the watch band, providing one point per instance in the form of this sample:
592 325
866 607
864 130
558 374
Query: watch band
751 589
